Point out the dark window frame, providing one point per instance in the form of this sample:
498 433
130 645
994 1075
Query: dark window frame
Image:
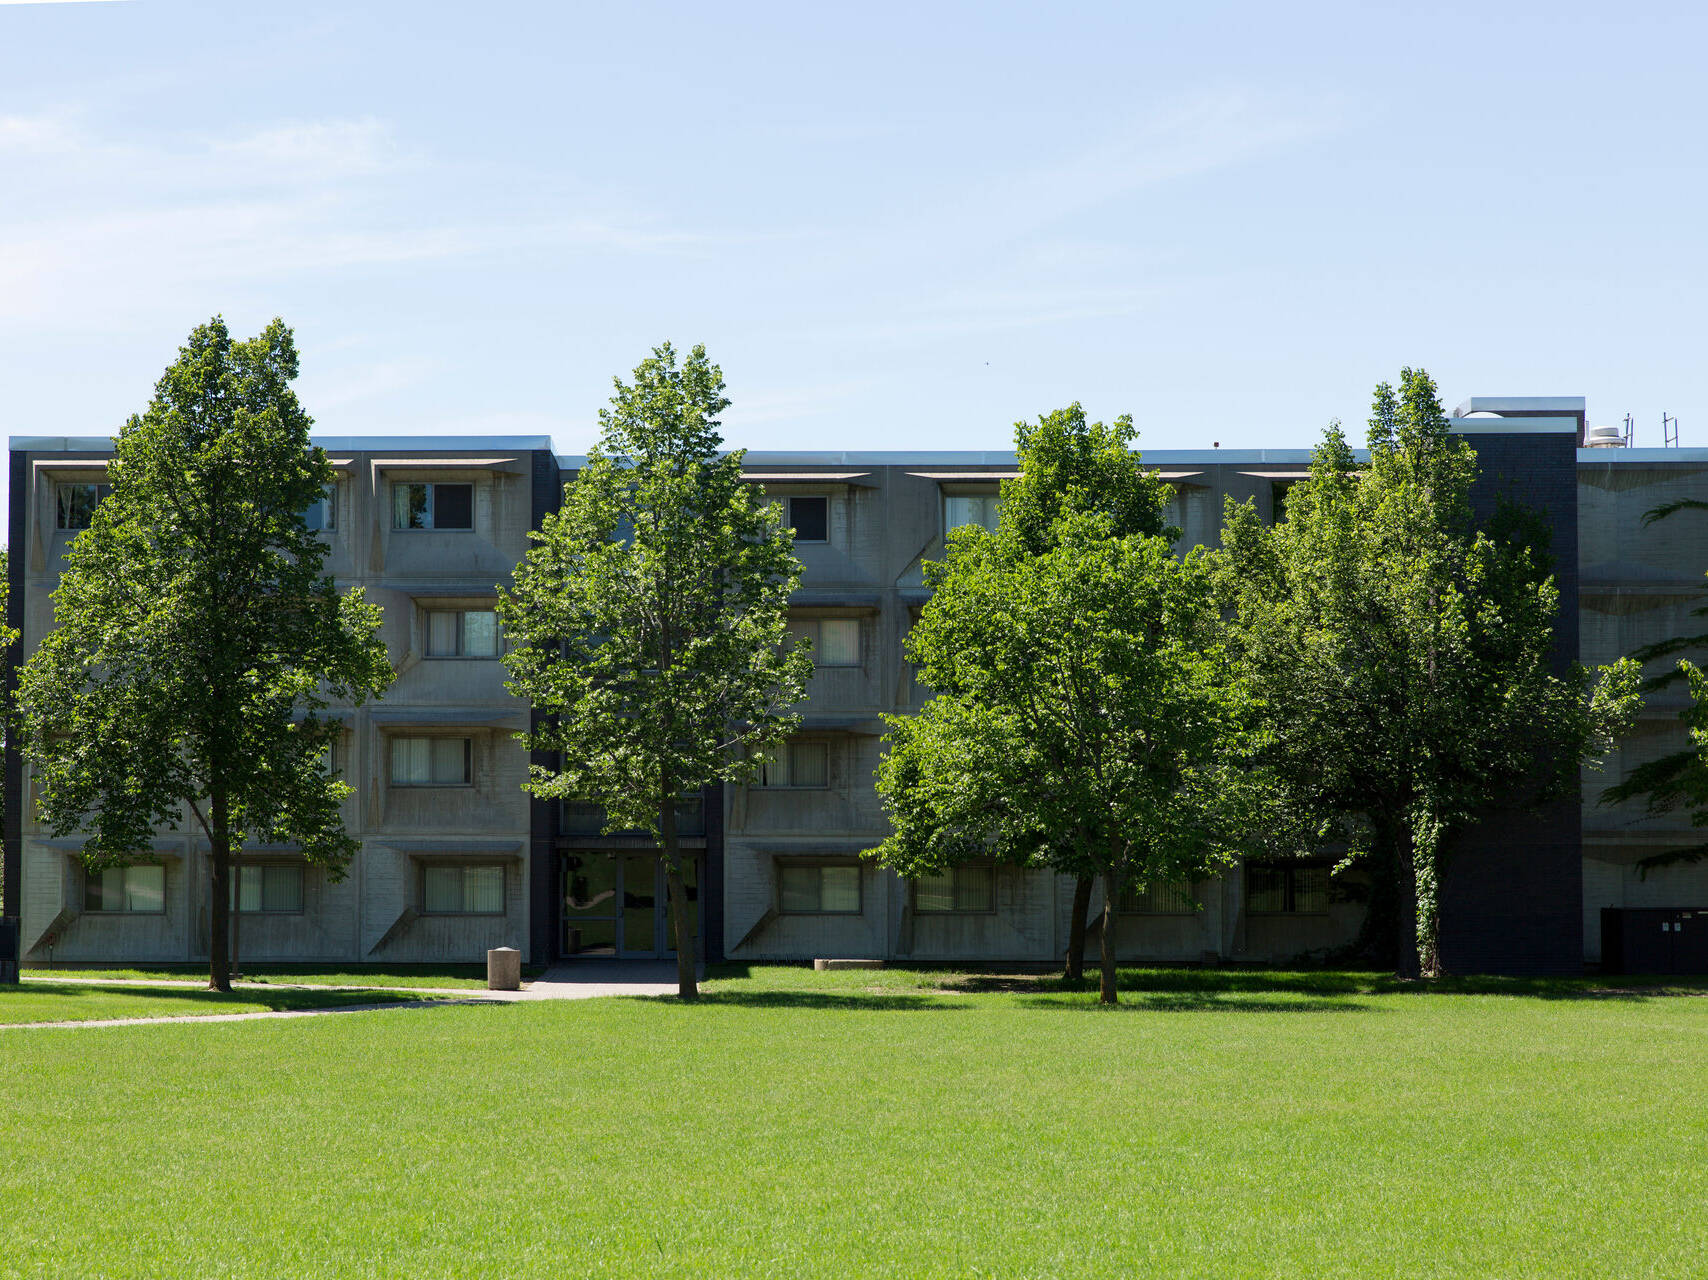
468 762
462 653
61 517
788 745
1126 906
818 643
820 864
431 508
329 502
263 865
1290 887
820 498
954 871
439 864
104 910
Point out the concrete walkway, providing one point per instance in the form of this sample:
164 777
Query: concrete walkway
572 980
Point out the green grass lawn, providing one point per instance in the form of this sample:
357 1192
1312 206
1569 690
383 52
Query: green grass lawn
880 1124
76 1002
402 975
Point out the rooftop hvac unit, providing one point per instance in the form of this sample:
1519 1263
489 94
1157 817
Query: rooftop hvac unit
1605 438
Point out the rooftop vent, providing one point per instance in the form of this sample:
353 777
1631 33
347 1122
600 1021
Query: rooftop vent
1605 438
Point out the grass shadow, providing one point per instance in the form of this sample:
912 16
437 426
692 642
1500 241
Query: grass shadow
1195 1002
274 1001
888 1001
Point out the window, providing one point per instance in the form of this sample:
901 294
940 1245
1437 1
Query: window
462 889
432 762
138 890
797 764
979 509
323 514
432 506
462 633
77 503
810 519
818 888
966 889
1278 491
1286 888
1156 898
268 888
835 641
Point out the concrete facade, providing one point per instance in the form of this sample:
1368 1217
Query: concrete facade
779 875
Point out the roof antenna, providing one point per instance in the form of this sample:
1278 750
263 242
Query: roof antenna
1669 430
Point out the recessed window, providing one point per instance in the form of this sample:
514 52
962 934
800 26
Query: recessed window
1286 888
835 641
462 633
323 514
462 889
432 506
270 888
138 890
1156 898
969 889
1278 492
818 889
810 519
979 509
432 762
797 764
77 502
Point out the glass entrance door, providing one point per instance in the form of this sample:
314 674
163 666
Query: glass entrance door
617 904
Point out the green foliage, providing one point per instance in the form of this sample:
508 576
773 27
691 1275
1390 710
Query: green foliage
1085 717
648 619
198 643
1679 779
1404 654
1069 464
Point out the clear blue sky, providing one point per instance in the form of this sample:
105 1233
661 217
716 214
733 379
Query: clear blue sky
895 226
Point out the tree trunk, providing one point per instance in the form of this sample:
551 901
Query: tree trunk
1075 971
219 909
681 926
236 914
1106 953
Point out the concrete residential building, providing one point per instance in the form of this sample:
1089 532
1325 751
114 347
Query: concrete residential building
456 858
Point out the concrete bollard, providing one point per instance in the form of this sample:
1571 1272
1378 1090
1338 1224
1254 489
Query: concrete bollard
504 969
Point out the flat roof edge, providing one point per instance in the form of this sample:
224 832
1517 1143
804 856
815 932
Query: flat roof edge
344 444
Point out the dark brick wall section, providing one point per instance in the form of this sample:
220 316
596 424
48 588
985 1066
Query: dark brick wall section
546 902
1512 888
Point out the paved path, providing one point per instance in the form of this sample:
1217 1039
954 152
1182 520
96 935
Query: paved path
574 980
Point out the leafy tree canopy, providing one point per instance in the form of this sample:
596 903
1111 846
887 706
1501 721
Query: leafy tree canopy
1406 655
1085 714
198 643
648 618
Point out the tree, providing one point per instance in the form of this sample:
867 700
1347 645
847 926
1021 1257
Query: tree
1404 656
1085 716
198 642
648 618
1679 779
1070 464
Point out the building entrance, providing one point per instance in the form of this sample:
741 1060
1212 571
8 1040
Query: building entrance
617 904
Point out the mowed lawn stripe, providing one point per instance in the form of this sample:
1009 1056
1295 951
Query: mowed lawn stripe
774 1132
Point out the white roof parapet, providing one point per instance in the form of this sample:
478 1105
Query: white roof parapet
1523 406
